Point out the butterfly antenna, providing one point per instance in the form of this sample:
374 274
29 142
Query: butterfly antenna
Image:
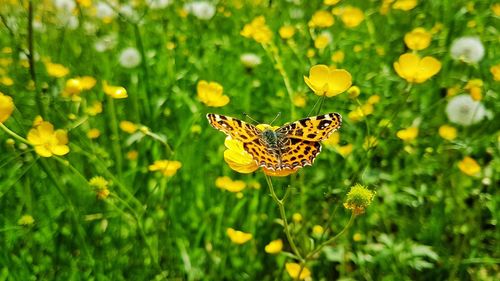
251 119
277 115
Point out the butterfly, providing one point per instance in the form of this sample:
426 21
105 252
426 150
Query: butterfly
291 146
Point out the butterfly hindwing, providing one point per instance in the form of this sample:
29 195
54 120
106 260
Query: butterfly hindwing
300 153
316 128
235 128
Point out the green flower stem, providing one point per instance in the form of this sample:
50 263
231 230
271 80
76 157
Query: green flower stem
145 71
31 60
117 147
80 232
272 50
322 101
281 206
331 240
13 134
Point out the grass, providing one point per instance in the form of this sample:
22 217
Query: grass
429 220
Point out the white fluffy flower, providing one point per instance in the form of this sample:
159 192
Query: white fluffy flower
106 43
463 110
468 48
159 4
201 9
65 5
104 11
250 60
130 58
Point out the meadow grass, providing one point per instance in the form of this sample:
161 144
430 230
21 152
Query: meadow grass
406 190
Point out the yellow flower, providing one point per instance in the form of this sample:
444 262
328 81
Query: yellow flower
56 70
294 269
370 142
128 126
474 86
26 220
469 166
87 82
7 81
210 93
93 133
333 139
310 53
345 150
274 247
116 92
374 99
495 70
299 100
324 81
132 155
228 184
297 217
72 89
330 2
357 237
405 5
321 19
287 31
317 230
416 70
237 158
48 142
98 182
166 167
418 39
358 199
338 57
6 107
94 109
238 237
351 16
448 132
257 30
408 134
496 9
353 92
322 41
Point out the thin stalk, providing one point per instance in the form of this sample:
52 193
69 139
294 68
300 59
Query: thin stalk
117 147
145 71
14 135
281 206
31 60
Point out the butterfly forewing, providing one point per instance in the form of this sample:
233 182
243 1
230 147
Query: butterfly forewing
316 128
237 129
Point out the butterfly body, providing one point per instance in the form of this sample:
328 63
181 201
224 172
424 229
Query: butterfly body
291 146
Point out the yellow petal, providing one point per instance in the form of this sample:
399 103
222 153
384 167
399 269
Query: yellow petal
42 151
340 80
60 149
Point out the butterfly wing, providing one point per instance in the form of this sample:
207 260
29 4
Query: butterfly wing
264 157
316 128
235 128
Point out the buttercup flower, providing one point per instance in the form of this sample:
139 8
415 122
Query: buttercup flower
210 93
6 107
350 16
338 57
468 49
129 57
75 86
463 110
474 86
238 237
324 81
286 31
274 247
416 70
322 40
405 5
495 70
358 199
56 70
46 141
128 127
448 132
321 19
166 167
469 166
94 109
93 133
418 39
26 220
116 92
228 184
345 150
408 134
297 217
257 30
318 230
330 2
293 270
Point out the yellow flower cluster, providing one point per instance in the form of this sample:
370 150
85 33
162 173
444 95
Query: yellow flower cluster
166 167
75 86
257 30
